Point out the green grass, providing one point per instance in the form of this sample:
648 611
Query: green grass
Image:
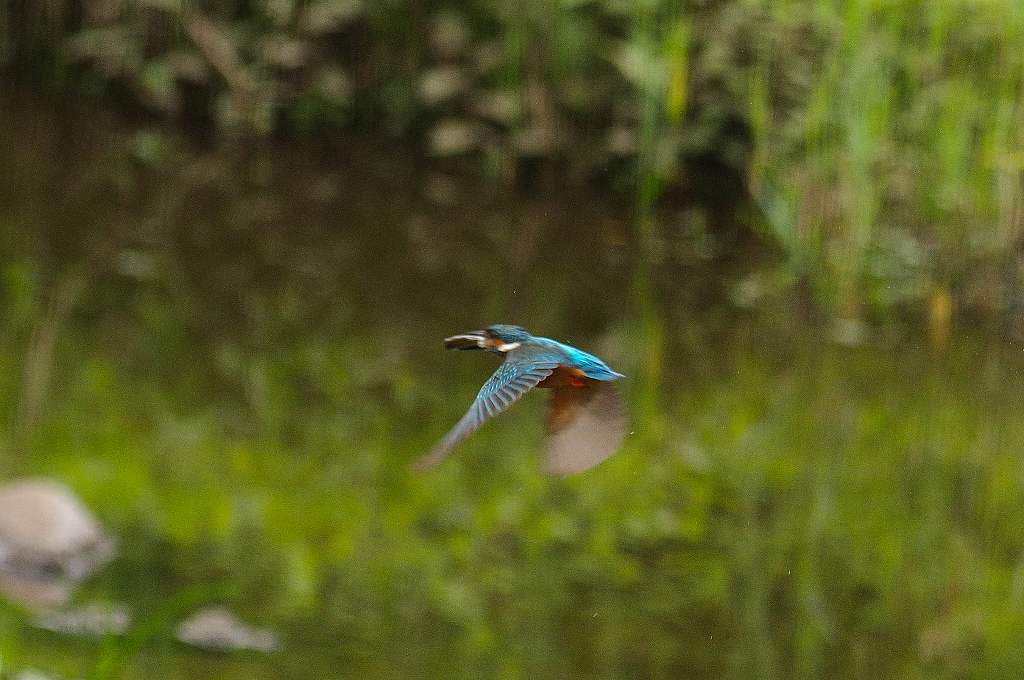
881 140
239 405
242 417
885 164
805 514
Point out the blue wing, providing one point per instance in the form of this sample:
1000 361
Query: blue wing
514 378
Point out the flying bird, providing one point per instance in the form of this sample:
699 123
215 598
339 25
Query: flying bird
586 420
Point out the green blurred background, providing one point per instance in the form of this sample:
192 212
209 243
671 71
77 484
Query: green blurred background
233 234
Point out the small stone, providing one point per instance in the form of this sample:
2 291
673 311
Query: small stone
34 591
748 291
284 52
535 140
455 137
320 18
136 264
335 85
216 628
92 620
440 84
448 34
45 529
489 56
279 11
621 141
849 331
31 674
500 107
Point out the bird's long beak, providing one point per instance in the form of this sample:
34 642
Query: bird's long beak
471 340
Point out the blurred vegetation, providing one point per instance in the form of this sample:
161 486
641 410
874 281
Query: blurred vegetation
237 393
881 141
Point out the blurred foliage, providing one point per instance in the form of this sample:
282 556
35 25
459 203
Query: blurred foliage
237 393
889 162
880 140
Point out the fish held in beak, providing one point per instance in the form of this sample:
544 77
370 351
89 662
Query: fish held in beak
471 340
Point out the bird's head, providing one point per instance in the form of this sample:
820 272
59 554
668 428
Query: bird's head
498 338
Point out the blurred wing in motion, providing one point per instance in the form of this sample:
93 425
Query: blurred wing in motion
585 426
512 380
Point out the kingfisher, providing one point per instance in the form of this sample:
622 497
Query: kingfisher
586 420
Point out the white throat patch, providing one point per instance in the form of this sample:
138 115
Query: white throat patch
508 346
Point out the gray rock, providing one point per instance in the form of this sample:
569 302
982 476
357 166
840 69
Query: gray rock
439 84
92 620
31 674
449 34
35 591
454 137
44 526
284 52
498 106
622 141
327 16
216 628
850 331
49 541
535 140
